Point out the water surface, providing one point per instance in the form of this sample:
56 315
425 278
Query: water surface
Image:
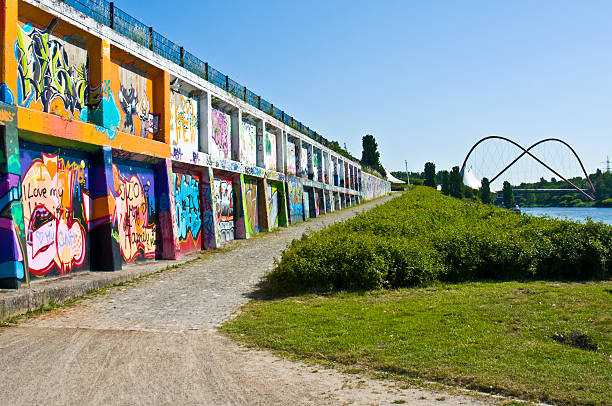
603 214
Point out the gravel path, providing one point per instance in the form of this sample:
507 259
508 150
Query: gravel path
155 342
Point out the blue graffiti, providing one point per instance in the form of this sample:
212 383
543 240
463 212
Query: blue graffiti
187 203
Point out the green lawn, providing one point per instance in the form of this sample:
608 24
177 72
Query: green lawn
494 337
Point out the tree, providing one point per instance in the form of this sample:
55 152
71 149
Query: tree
485 191
430 175
456 184
508 194
445 182
370 155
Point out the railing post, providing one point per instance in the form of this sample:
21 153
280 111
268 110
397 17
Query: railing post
272 109
206 69
112 14
259 102
151 38
283 115
182 57
244 94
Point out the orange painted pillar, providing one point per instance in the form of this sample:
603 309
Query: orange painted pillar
161 105
8 63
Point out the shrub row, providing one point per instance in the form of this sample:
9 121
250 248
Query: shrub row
424 236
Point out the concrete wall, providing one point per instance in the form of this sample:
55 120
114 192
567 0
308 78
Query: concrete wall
108 145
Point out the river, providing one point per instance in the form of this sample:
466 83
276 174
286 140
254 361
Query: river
573 213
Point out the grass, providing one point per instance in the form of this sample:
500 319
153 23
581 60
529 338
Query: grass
508 338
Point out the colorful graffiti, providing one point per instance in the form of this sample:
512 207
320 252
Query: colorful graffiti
134 214
295 193
372 186
307 202
134 101
248 152
52 73
291 161
270 151
184 122
186 192
224 208
273 206
304 163
250 203
55 215
220 145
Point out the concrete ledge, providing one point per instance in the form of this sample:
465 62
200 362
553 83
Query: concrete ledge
63 288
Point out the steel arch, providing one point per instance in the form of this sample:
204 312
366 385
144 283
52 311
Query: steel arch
526 152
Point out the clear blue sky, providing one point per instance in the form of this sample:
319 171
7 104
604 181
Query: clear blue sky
426 78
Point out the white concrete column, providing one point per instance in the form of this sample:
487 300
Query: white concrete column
236 125
260 143
204 121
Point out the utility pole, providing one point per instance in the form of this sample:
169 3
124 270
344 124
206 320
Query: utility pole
407 175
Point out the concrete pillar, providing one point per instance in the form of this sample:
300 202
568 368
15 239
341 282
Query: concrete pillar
205 121
106 256
166 210
283 216
299 165
13 266
161 105
240 228
236 123
281 151
8 62
263 207
260 157
210 232
99 71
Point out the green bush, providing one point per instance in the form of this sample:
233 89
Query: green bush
423 236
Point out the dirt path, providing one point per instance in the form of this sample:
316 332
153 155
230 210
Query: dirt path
155 342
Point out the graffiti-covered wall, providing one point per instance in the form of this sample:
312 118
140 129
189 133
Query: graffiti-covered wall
184 122
224 208
251 209
134 221
373 187
270 151
220 144
186 193
56 210
304 162
52 72
248 136
273 203
291 161
295 199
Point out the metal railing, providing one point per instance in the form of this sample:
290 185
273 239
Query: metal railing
106 13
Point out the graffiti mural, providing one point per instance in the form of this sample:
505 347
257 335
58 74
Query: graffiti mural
220 146
133 97
316 169
134 219
186 192
291 162
372 186
52 73
250 206
184 122
224 208
270 151
55 212
273 204
295 199
248 152
304 163
307 202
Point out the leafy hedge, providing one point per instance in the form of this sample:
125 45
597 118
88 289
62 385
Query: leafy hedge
423 236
